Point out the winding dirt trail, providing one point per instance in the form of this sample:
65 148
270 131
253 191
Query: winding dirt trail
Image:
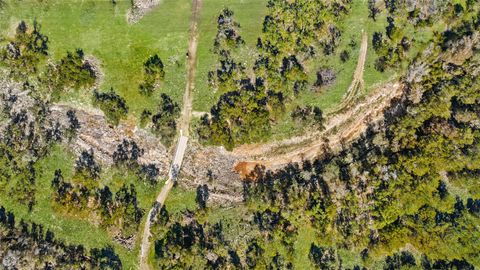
357 83
346 122
184 126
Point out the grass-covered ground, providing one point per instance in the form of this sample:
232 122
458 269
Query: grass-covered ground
71 226
101 30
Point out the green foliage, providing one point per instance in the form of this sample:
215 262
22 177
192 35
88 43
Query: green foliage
164 121
227 32
24 52
249 104
114 106
239 117
312 116
322 257
21 242
153 74
72 71
119 210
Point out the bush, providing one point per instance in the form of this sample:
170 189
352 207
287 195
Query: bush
153 74
72 71
165 120
114 106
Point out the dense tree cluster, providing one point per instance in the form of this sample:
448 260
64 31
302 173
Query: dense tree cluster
153 74
127 154
118 209
148 173
31 246
227 32
391 176
28 132
87 166
322 257
292 34
410 180
113 105
190 243
229 72
404 20
239 117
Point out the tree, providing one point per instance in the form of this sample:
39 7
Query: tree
228 36
377 41
165 119
72 71
148 173
86 165
114 106
373 10
127 154
105 258
202 196
322 257
344 56
24 52
153 74
73 124
391 28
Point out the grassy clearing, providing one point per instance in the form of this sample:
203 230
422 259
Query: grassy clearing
101 30
327 98
180 199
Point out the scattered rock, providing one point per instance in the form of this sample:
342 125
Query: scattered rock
95 133
325 76
212 166
139 9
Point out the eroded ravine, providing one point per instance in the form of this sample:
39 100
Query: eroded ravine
344 123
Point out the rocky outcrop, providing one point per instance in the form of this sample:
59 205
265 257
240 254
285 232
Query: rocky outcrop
213 166
95 133
140 8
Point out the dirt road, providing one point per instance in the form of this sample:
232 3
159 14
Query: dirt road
357 83
342 127
184 125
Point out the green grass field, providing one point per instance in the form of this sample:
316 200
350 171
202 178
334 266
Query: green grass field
101 30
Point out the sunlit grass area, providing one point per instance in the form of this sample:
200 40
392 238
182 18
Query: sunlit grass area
101 30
